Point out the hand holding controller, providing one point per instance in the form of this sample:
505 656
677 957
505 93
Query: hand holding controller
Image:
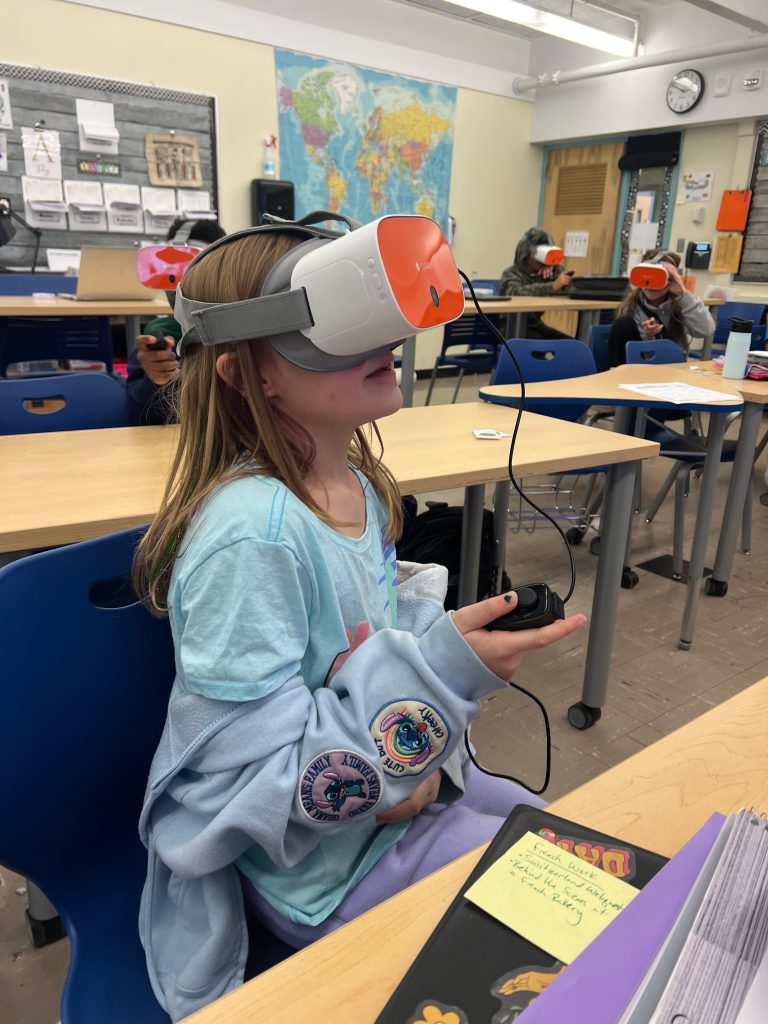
537 606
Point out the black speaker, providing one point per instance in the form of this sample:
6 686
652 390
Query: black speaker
271 196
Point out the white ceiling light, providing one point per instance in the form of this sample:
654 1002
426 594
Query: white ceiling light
551 24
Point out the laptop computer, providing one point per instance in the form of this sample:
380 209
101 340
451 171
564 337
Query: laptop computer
109 274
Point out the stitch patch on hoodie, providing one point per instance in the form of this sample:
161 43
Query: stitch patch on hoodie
408 735
339 785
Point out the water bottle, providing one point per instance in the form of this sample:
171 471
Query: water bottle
737 348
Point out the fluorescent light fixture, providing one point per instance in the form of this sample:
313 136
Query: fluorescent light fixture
551 24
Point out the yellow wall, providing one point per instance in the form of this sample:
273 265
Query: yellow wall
495 174
727 150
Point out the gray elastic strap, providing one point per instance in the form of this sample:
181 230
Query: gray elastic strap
253 318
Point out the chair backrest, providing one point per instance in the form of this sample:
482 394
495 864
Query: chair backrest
23 339
659 350
546 360
598 340
87 672
89 400
754 311
485 286
27 284
471 331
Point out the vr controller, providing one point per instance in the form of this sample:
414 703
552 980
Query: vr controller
537 606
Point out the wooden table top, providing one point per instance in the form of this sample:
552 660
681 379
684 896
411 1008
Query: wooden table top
750 390
25 305
604 388
656 799
68 486
551 303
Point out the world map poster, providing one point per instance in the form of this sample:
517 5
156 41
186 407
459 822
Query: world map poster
362 142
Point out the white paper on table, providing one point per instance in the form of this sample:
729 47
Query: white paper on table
194 201
159 201
6 114
3 152
85 195
678 394
96 126
643 236
42 153
62 261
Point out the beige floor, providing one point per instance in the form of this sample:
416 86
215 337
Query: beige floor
654 688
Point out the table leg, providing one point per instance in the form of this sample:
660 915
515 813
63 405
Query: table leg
407 369
471 540
706 346
717 424
500 517
741 475
132 331
586 320
516 325
613 547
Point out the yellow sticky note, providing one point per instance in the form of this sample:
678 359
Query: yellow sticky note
557 901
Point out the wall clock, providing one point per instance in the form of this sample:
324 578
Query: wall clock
685 91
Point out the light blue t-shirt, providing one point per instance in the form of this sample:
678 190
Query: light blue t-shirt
261 592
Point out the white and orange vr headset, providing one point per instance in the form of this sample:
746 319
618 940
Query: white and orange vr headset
549 255
337 298
652 274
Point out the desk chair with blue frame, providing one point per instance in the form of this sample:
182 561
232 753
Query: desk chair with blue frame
754 311
89 401
687 450
478 345
82 716
543 360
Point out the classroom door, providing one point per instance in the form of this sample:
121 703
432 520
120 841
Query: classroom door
581 193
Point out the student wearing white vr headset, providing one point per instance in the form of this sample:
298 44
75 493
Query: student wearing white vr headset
665 310
311 762
537 270
151 367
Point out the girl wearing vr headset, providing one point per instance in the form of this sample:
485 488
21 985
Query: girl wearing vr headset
667 312
311 763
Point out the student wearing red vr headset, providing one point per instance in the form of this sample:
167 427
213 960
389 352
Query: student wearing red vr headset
312 763
150 369
531 274
666 312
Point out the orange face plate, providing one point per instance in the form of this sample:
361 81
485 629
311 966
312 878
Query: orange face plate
649 275
422 274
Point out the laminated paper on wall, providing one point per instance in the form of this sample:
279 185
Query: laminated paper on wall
734 210
726 254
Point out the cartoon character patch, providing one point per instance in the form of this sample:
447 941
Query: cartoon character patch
615 860
432 1012
339 785
517 990
408 735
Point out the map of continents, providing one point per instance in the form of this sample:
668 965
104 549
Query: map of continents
363 142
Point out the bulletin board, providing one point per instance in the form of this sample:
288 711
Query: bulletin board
158 139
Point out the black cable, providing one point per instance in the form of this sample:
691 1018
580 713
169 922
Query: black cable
511 778
515 429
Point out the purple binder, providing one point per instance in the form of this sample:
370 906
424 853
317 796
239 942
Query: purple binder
599 984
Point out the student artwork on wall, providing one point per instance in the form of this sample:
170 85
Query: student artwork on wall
363 142
173 160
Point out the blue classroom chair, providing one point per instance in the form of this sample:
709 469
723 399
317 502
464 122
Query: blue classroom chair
91 400
474 345
27 284
82 716
598 342
24 339
754 311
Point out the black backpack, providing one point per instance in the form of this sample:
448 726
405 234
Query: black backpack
435 536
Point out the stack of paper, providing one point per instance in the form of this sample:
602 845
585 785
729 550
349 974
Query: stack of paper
693 945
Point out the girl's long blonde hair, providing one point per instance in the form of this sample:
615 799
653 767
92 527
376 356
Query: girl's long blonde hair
227 432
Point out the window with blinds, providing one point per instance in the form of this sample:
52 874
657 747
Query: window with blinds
754 254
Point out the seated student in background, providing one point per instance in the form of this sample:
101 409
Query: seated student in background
148 371
669 312
529 276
